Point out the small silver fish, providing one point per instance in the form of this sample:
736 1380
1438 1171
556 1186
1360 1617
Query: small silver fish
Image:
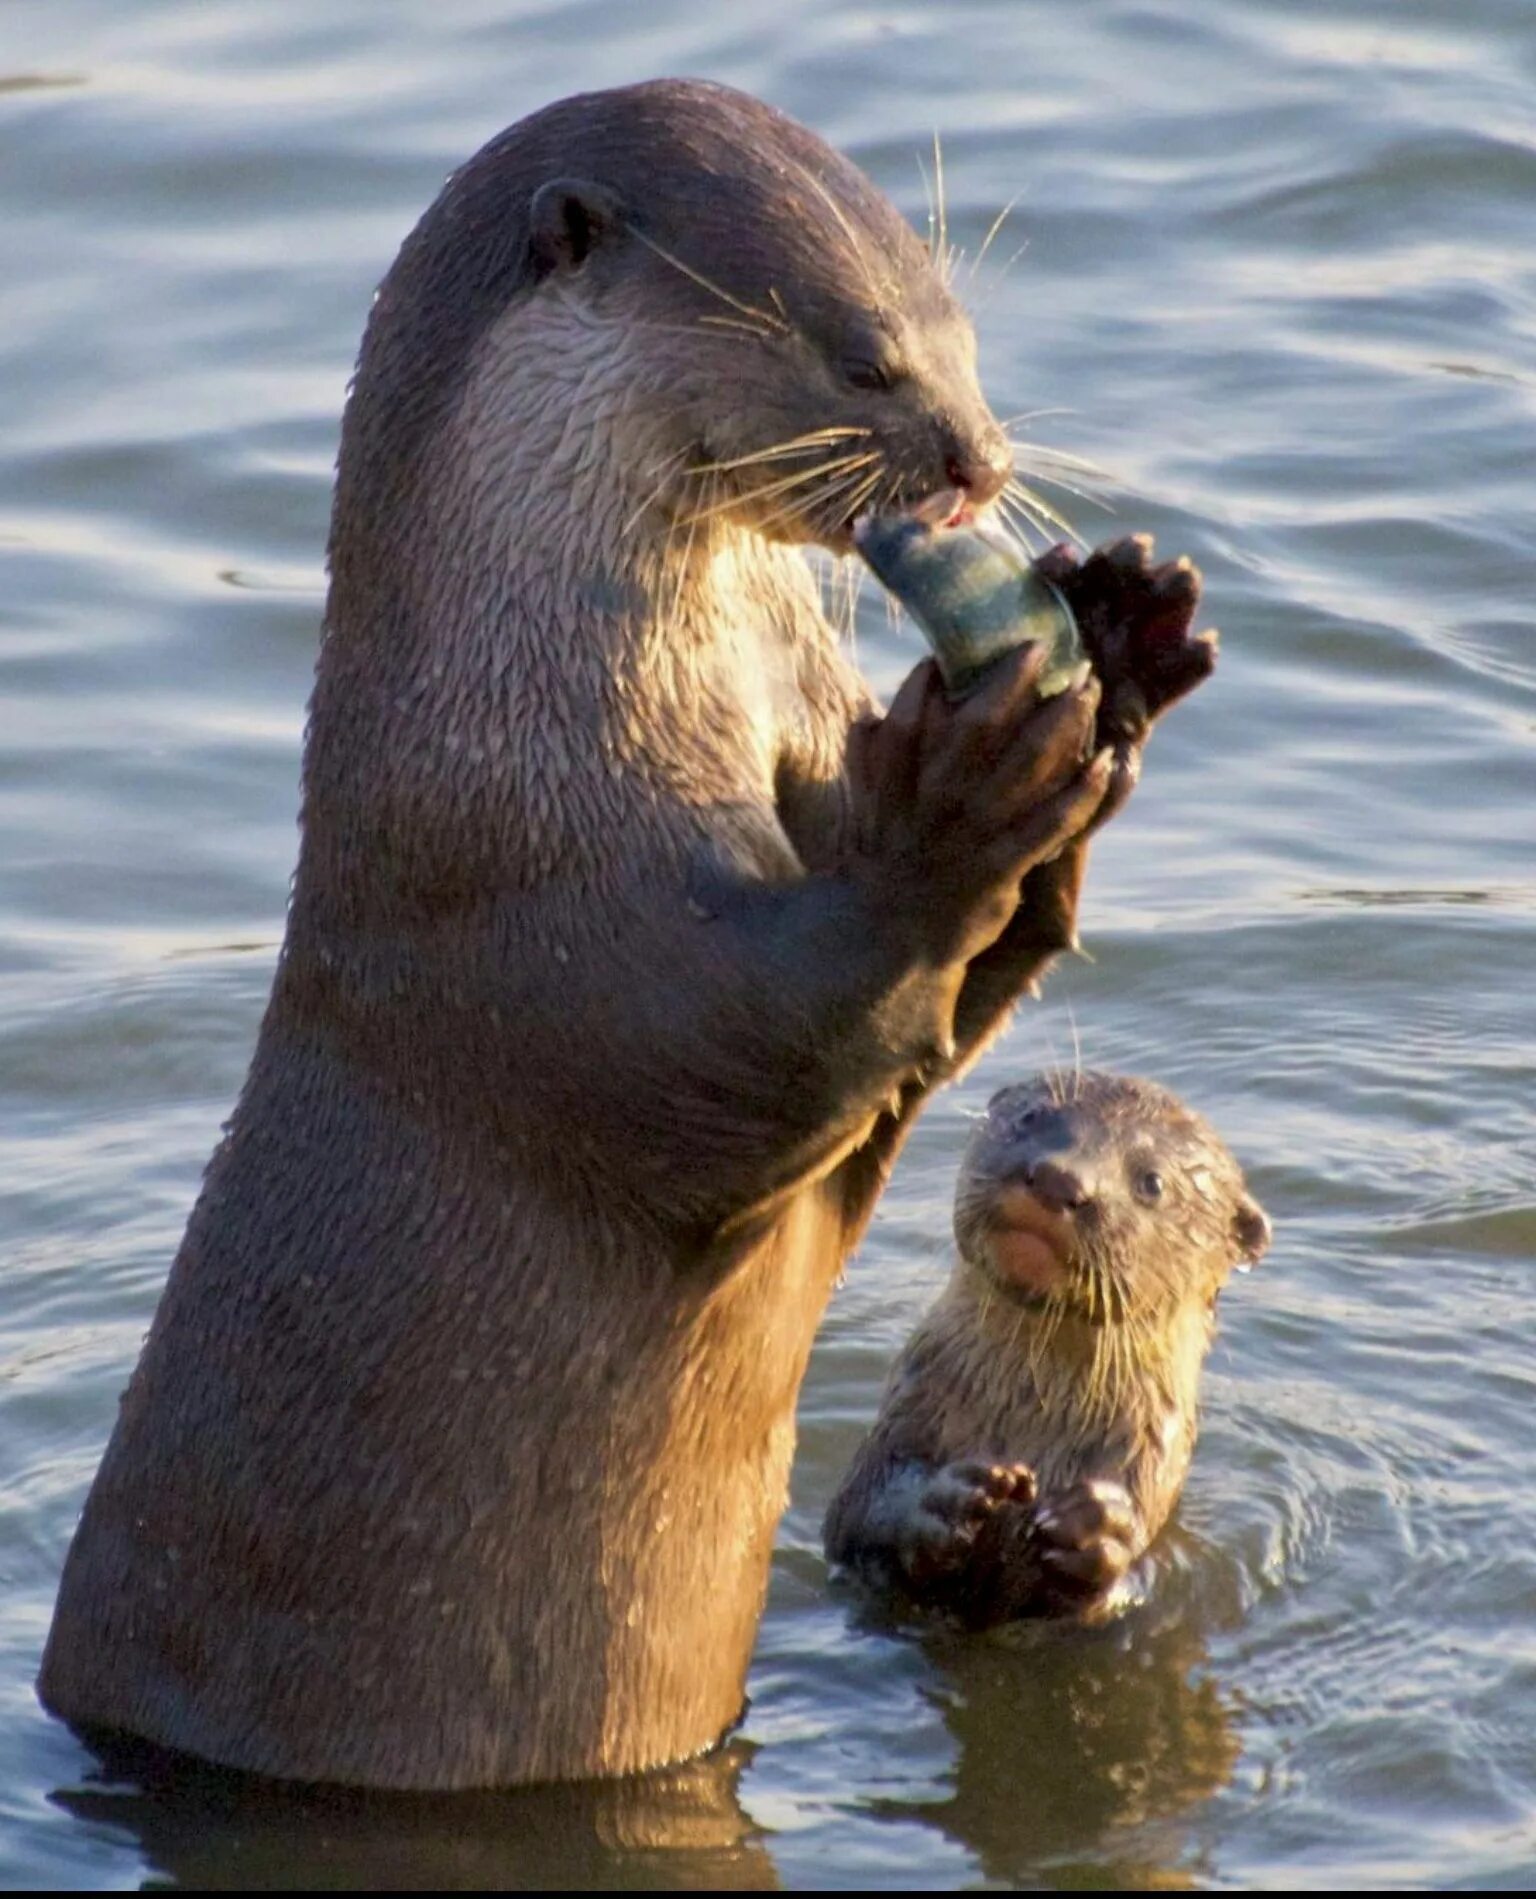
975 597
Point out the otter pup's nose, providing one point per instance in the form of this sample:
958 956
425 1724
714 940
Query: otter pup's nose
1057 1186
981 467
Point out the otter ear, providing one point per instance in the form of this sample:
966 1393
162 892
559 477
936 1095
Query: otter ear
567 218
1251 1230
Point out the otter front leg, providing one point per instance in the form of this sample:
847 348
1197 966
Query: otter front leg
767 1023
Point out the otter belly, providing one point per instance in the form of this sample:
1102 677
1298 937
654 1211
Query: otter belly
446 1507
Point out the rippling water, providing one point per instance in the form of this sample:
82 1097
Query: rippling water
1279 277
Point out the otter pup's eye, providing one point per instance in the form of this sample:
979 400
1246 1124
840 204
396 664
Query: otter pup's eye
1149 1185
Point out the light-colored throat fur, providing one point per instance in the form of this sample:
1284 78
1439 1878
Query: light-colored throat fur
615 613
1077 1399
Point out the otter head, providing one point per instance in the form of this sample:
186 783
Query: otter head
678 293
1104 1197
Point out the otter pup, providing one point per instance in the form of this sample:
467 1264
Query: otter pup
1036 1430
626 940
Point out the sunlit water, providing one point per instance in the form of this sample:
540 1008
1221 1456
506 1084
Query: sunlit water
1279 274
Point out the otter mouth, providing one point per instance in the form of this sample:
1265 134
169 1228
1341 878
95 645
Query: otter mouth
817 517
1031 1249
828 505
945 508
948 508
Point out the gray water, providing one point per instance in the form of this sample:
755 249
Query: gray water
1279 282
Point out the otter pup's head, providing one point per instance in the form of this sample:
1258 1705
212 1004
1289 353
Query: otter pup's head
697 275
1106 1198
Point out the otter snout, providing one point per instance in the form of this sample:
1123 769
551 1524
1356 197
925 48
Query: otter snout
981 466
1062 1186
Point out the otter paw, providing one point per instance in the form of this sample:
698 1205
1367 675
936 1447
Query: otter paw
1084 1539
1136 619
954 1510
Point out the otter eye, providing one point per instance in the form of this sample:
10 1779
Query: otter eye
864 372
870 358
1149 1185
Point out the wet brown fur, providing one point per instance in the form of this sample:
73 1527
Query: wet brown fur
456 1449
1099 1381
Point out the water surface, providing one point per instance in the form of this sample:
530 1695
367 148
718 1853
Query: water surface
1278 279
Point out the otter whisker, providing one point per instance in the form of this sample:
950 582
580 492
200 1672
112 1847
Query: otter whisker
860 250
1013 257
765 317
758 330
793 445
1028 499
1086 483
856 507
669 469
1027 521
786 482
863 482
819 503
997 276
1025 444
939 254
822 502
943 260
847 505
847 467
1030 415
684 565
1024 527
992 230
1092 492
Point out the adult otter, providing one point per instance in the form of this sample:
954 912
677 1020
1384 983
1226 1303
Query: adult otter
624 944
1037 1428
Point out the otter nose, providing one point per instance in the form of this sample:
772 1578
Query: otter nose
982 468
1057 1186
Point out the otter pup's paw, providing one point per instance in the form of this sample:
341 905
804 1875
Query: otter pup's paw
953 1511
1085 1540
1136 621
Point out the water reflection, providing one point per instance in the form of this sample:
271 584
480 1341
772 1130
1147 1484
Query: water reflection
200 1827
1077 1752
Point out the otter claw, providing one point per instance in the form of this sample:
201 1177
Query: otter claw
1177 582
1135 619
1130 554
